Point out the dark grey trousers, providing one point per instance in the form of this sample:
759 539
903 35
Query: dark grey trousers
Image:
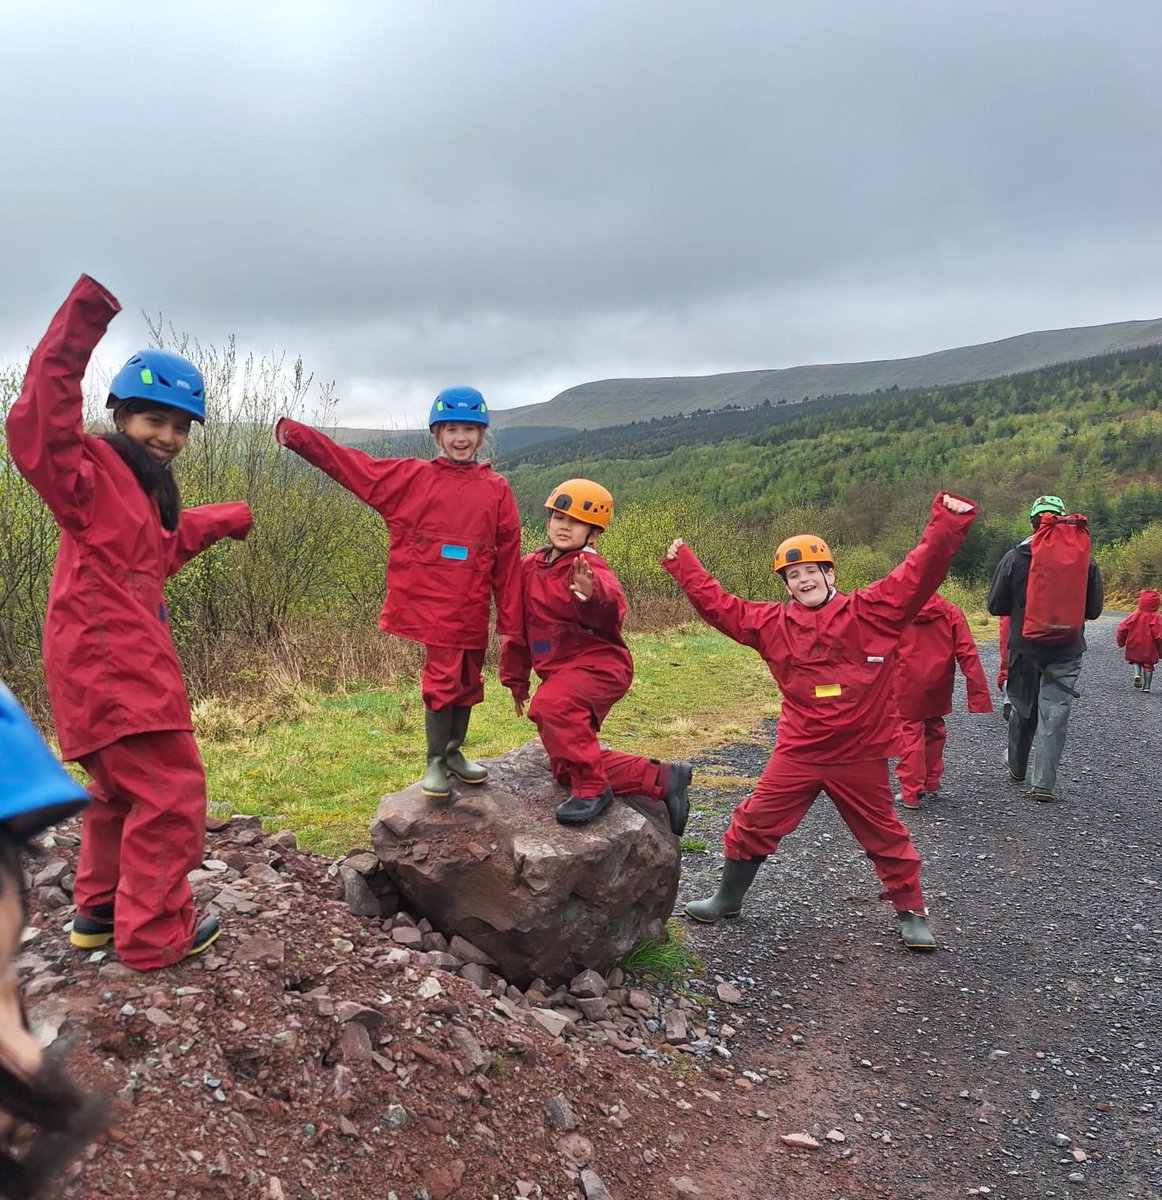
1041 694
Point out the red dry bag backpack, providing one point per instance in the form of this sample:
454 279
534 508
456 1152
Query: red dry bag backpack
1058 576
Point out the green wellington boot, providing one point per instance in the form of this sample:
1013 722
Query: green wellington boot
1147 678
914 931
465 769
737 875
438 732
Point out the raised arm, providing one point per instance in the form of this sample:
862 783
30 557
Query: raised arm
902 592
380 482
45 435
735 617
199 528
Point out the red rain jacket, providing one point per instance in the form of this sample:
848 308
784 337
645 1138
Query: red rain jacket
926 659
455 538
833 664
109 659
1141 632
562 630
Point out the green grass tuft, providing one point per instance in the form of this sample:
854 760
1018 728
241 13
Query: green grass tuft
666 961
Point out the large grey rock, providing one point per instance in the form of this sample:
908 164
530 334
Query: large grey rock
540 899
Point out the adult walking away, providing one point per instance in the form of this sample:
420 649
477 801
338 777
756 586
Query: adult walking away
830 652
113 674
1042 674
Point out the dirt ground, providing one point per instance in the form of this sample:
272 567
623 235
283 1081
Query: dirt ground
313 1053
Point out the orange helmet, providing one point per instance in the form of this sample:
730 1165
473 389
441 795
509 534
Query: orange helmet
802 548
583 499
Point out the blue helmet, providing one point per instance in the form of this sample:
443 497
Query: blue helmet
459 404
35 790
162 376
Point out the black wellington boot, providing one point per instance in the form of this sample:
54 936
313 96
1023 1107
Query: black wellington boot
737 876
674 797
578 810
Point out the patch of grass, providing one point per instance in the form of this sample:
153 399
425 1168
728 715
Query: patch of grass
318 764
665 961
694 843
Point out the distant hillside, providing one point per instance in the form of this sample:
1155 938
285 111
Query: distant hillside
619 401
856 468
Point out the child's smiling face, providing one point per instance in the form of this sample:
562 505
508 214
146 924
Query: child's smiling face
809 583
566 532
458 440
162 431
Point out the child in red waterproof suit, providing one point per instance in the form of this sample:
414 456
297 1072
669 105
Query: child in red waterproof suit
455 543
830 653
1141 635
930 649
573 609
113 676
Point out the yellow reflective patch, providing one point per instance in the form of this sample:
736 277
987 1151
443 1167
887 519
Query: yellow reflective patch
827 689
146 375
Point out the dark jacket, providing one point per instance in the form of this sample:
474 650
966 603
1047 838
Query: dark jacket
1006 598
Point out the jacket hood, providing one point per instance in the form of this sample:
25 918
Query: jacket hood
933 607
1148 600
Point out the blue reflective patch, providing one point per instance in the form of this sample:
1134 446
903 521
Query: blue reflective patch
162 615
449 551
542 646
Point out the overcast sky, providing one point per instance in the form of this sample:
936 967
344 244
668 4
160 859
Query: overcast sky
530 194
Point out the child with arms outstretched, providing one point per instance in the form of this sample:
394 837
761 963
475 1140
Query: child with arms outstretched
830 653
113 675
573 610
455 543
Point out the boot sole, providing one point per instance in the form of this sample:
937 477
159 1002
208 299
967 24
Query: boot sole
728 916
921 947
90 941
463 779
436 795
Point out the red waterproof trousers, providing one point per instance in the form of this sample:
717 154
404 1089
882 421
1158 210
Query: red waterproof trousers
568 709
452 678
142 835
921 762
861 792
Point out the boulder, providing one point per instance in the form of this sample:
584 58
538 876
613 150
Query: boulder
492 866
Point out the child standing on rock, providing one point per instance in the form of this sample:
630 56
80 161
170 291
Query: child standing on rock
937 640
113 675
455 543
573 610
830 653
1141 635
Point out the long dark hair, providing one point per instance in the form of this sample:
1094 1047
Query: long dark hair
155 478
57 1120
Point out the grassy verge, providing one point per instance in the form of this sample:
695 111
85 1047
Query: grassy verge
320 766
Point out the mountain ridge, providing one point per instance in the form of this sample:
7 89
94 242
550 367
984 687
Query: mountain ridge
602 403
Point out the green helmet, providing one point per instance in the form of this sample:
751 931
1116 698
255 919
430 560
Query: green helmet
1047 504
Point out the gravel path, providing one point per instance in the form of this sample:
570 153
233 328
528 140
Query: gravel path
1025 1057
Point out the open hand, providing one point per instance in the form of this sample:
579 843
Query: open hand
518 704
675 546
581 578
954 505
